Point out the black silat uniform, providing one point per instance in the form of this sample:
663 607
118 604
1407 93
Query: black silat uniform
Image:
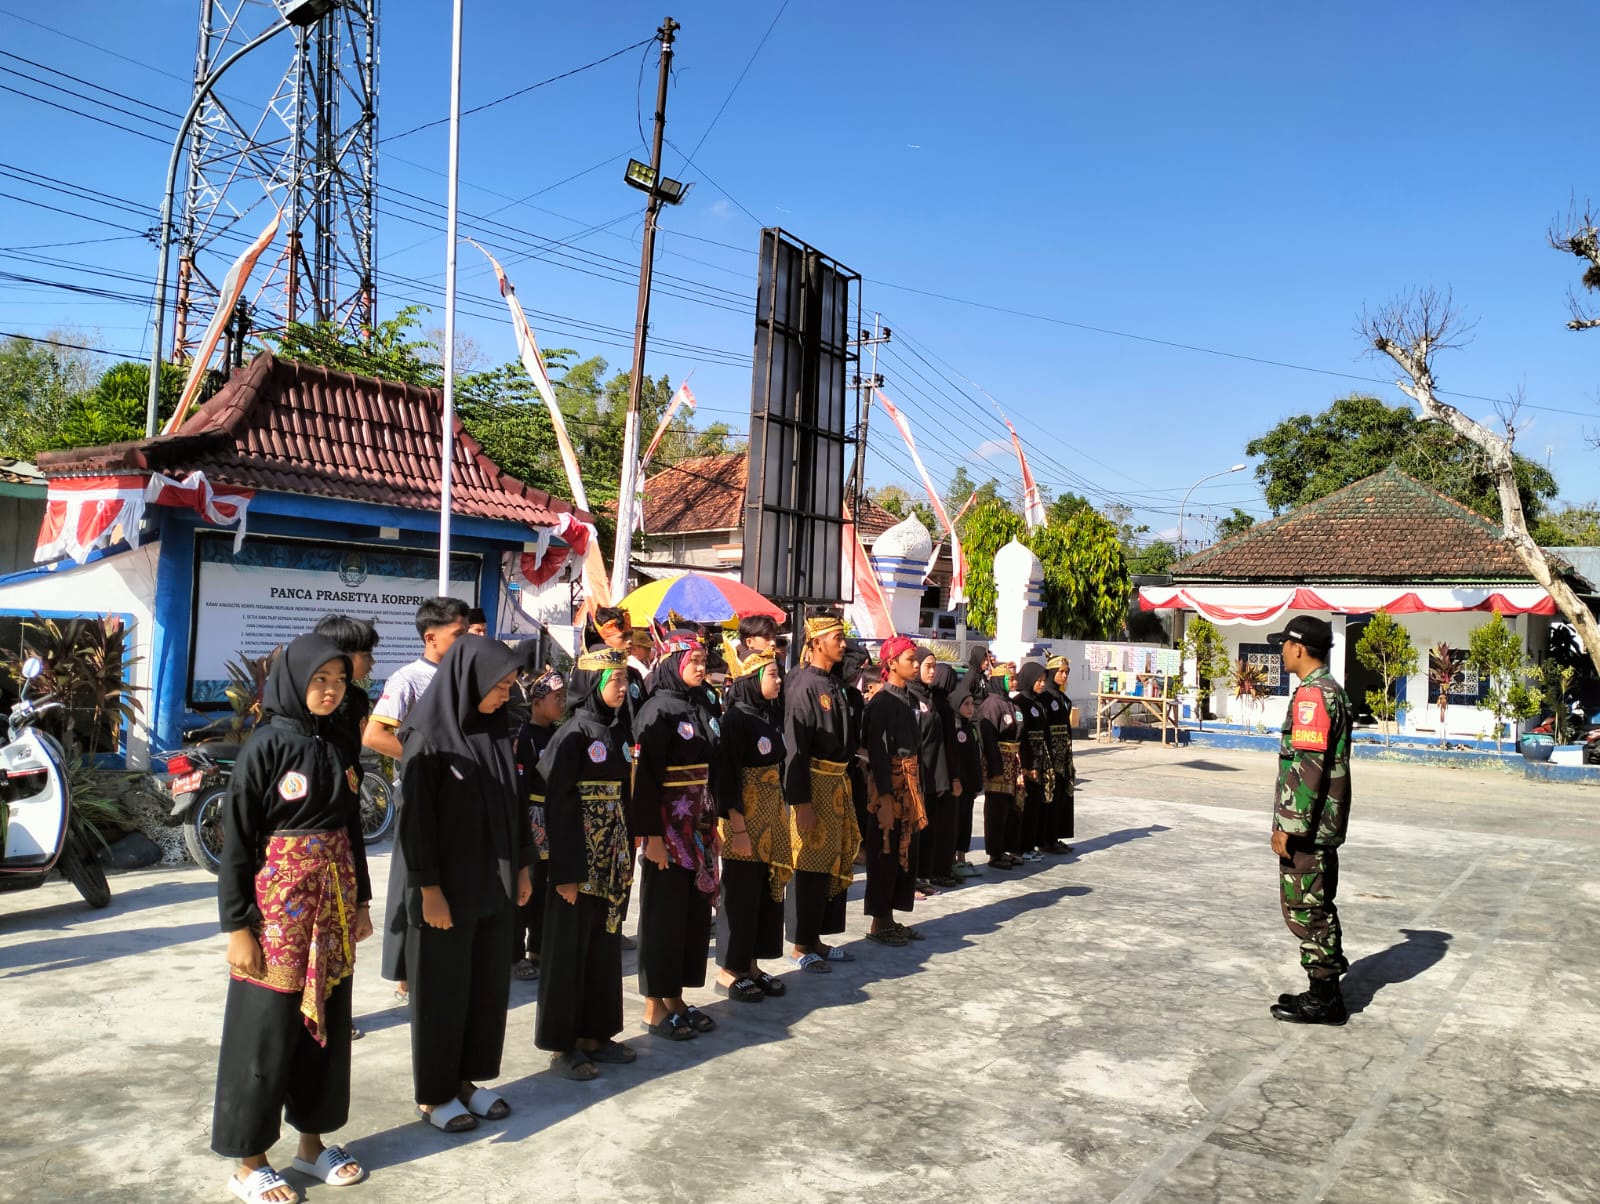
891 736
818 735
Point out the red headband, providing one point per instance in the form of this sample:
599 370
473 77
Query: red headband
894 646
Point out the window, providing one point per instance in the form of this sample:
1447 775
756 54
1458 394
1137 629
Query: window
1265 657
1465 687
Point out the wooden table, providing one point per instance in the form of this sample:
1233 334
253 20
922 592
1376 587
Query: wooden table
1108 708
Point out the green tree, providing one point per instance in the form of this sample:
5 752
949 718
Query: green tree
114 410
38 384
1067 505
1234 523
1204 645
1157 556
1086 581
898 501
395 349
1495 651
1386 649
962 486
989 526
1311 455
1570 527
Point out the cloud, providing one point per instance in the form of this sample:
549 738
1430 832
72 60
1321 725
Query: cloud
721 209
990 448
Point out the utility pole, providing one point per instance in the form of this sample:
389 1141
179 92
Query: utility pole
630 430
865 384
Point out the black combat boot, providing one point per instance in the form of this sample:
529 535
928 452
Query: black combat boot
1322 1004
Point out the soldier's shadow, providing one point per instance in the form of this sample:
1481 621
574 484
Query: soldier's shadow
1421 950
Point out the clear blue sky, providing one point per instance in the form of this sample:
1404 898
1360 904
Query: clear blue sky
1240 178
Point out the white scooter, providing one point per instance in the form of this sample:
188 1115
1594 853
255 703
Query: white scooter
36 832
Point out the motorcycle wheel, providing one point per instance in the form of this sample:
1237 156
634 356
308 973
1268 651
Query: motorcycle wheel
202 829
377 807
83 870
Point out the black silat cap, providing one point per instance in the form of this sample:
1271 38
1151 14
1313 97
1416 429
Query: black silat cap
1316 634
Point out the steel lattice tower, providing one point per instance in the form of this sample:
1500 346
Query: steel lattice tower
311 147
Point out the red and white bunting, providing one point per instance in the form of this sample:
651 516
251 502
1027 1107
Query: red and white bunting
868 589
84 514
225 507
540 567
1260 605
958 561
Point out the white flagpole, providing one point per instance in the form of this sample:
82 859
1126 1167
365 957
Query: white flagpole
448 436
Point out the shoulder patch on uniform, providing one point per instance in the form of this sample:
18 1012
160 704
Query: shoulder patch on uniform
293 787
961 737
825 701
686 730
1312 724
350 776
715 726
597 751
763 746
1006 719
1055 706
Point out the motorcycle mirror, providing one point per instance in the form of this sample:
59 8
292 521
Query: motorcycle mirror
32 668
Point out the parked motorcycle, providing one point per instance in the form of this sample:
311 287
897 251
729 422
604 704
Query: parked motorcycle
197 778
37 834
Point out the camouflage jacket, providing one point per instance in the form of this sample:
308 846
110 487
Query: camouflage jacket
1313 795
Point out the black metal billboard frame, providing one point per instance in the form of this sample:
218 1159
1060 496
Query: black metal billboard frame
799 398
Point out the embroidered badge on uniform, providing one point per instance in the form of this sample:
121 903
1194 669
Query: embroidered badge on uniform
962 737
763 746
716 727
686 730
597 751
1312 723
633 690
350 776
825 702
293 786
629 751
1006 721
1055 706
922 706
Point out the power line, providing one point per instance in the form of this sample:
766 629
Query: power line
750 62
428 125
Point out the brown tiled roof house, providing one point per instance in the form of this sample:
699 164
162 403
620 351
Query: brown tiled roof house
296 428
1386 528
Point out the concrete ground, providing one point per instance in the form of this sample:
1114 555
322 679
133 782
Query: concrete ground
1091 1029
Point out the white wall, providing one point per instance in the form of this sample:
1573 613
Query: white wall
1422 717
120 584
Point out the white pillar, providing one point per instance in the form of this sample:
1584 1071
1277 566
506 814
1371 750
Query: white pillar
1019 597
900 558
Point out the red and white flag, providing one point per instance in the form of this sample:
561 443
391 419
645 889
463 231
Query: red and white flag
1032 503
679 399
83 514
958 562
232 289
528 350
868 589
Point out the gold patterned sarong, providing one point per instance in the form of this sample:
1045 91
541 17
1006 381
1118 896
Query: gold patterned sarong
1009 780
1039 743
1061 755
761 800
830 847
306 892
902 805
607 848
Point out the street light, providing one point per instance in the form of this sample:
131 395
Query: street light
1182 508
294 14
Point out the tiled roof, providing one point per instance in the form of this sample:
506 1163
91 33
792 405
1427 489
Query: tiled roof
288 427
1387 528
706 493
19 472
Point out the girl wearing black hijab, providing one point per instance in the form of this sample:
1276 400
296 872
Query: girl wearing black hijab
1000 735
292 892
756 859
1037 766
674 811
468 848
935 764
585 770
938 855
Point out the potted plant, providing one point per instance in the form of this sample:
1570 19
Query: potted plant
1495 651
1203 644
1385 648
1248 683
1442 677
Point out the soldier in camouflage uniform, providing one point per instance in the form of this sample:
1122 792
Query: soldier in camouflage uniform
1310 814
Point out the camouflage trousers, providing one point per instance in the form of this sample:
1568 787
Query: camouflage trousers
1308 879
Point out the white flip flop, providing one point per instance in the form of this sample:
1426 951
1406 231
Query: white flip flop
253 1187
482 1103
444 1116
326 1168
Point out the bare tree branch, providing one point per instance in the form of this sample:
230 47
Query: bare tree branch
1580 235
1410 331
